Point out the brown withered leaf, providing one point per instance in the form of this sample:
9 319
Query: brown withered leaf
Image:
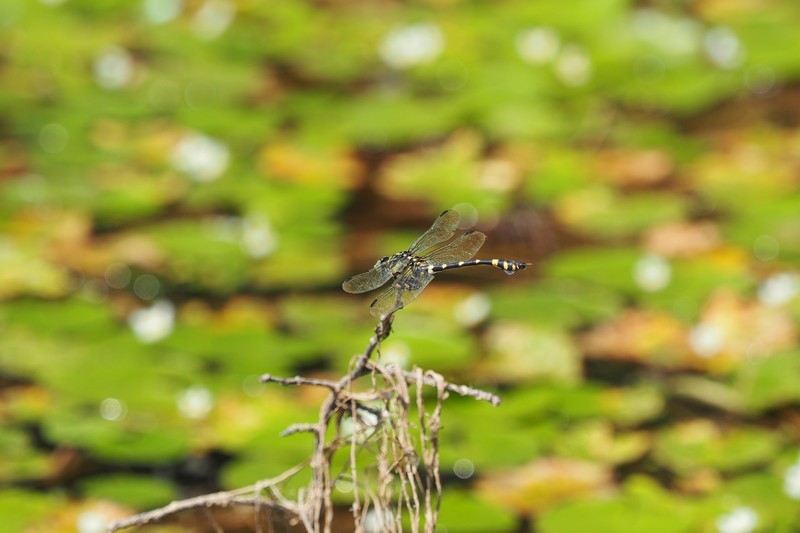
634 168
729 330
310 166
638 336
748 328
544 483
682 239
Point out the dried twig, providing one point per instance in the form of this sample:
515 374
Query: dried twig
216 499
205 502
406 452
461 390
298 380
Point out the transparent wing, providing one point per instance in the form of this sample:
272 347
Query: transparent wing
461 249
372 279
403 291
441 230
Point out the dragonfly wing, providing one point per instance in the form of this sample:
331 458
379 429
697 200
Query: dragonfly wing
367 281
441 230
461 249
403 291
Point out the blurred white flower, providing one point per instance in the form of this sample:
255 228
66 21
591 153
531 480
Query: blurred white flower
498 175
740 520
113 68
195 403
154 323
258 237
201 157
779 289
412 45
537 45
723 47
254 233
573 67
213 18
652 273
678 36
92 522
378 520
706 340
473 309
395 352
161 11
791 481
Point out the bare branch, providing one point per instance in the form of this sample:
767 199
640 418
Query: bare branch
298 380
462 390
217 499
299 428
405 477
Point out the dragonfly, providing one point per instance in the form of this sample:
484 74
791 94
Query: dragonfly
410 271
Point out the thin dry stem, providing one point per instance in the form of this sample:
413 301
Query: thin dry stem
402 478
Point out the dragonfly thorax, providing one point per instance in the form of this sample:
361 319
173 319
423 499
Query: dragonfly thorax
398 262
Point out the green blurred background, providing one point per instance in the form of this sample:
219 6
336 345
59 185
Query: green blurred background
184 184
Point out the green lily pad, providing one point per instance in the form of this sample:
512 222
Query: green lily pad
22 509
519 352
461 511
701 444
23 461
562 302
631 406
138 492
596 440
643 507
431 343
114 442
769 382
601 213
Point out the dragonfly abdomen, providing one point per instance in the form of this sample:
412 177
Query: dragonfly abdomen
507 266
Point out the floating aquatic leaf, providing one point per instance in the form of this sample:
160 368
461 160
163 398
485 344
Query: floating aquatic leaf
544 484
139 492
699 444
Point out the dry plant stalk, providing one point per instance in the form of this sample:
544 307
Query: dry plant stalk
386 438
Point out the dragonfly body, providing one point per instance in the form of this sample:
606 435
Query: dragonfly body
506 265
410 271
